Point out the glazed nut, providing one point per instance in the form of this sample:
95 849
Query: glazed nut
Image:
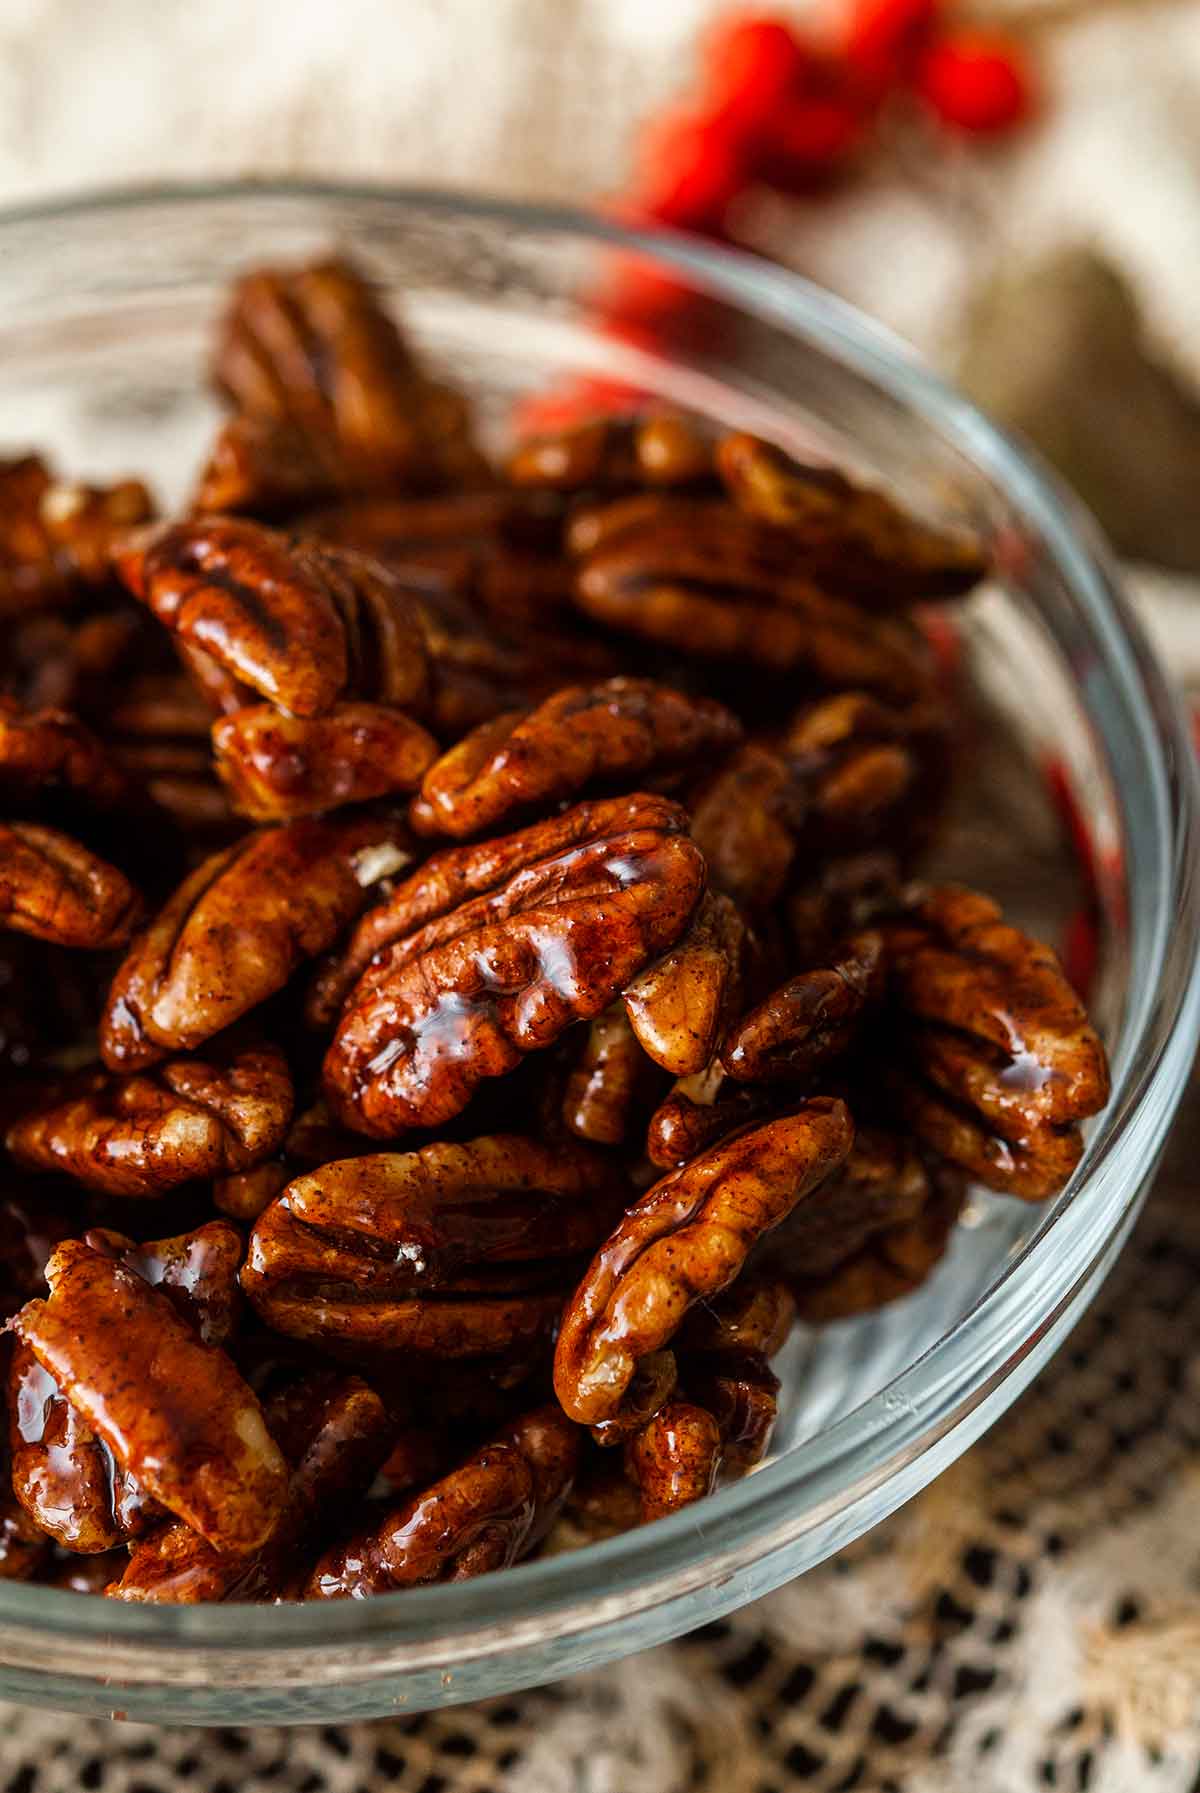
51 748
677 1005
334 1432
238 927
451 1251
467 995
584 734
811 1020
301 624
894 1262
57 537
857 538
882 1184
602 1085
659 450
174 1412
675 1458
55 889
998 1063
276 767
142 1134
687 1239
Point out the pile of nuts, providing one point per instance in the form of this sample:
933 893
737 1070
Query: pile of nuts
465 917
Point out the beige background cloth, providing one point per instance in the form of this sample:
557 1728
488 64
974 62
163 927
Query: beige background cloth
1034 1619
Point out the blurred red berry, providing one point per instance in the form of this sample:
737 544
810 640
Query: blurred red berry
538 413
689 170
812 140
976 81
884 39
1081 950
752 63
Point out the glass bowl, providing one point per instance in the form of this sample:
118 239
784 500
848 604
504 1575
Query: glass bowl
105 307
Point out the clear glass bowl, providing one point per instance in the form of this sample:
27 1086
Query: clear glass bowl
105 308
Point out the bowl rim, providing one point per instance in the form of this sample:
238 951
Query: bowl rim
560 1596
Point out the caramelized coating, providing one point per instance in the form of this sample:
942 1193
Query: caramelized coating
174 1412
311 346
687 1239
715 584
677 1005
24 1547
606 452
451 1251
811 1020
142 1134
238 927
268 467
603 1083
998 1063
463 998
675 1458
755 1313
334 1432
583 735
50 748
66 1477
883 1184
746 821
855 538
700 1110
55 889
276 767
300 624
485 1514
893 1263
741 1392
56 537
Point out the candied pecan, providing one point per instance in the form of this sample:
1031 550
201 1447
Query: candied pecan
894 1261
277 766
754 1314
468 994
268 467
676 1006
142 1134
811 1019
299 623
452 1251
603 1083
841 897
174 1412
705 579
659 450
603 1500
745 821
996 1062
24 1547
334 1432
698 1111
675 1458
66 1477
857 539
312 346
485 1514
741 1392
584 734
52 747
52 887
882 1184
653 1382
237 928
686 1239
55 536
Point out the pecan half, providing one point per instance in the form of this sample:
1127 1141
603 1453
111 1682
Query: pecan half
700 1110
52 887
883 1184
464 997
450 1251
269 468
677 1005
334 1433
57 537
142 1134
276 766
894 1261
602 1086
996 1061
485 1514
686 1239
811 1020
174 1412
716 584
66 1477
605 452
584 734
675 1458
312 346
238 927
741 1392
49 748
855 537
299 623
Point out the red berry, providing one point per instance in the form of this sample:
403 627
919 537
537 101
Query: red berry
689 171
1081 950
811 141
883 39
752 63
976 81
